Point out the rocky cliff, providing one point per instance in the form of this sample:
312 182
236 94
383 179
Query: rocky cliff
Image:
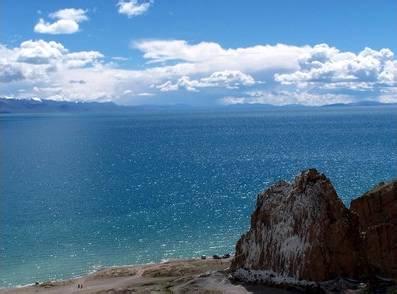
301 231
377 210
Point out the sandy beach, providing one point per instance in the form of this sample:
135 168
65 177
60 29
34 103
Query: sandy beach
179 276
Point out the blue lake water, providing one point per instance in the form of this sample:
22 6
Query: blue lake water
82 191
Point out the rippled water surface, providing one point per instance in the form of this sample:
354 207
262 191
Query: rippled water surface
82 191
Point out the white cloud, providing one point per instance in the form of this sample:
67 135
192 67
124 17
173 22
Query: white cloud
231 79
275 74
39 64
210 56
133 7
66 22
39 52
78 15
290 65
169 86
327 67
163 50
49 54
82 58
62 26
9 73
225 79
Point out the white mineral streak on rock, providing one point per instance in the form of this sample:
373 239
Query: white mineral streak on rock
269 277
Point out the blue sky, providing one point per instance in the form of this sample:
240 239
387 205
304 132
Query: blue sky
199 52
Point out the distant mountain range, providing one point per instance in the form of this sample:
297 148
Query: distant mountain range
36 106
361 103
44 106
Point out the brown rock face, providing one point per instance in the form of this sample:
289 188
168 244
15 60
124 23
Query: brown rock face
301 230
377 210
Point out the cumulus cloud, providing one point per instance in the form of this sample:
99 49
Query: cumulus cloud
39 52
48 54
78 15
66 21
231 79
326 66
133 8
275 74
36 63
9 73
163 50
210 56
82 58
226 79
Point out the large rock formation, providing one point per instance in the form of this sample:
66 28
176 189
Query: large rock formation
300 230
378 226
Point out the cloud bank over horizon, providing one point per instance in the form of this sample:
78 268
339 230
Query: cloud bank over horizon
173 69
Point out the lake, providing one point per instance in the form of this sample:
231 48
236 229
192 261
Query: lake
82 191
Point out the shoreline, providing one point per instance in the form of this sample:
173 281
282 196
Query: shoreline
94 271
175 275
182 276
110 267
105 274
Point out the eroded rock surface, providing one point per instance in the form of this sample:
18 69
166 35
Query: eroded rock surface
300 230
377 210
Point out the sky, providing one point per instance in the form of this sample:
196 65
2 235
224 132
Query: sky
199 52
